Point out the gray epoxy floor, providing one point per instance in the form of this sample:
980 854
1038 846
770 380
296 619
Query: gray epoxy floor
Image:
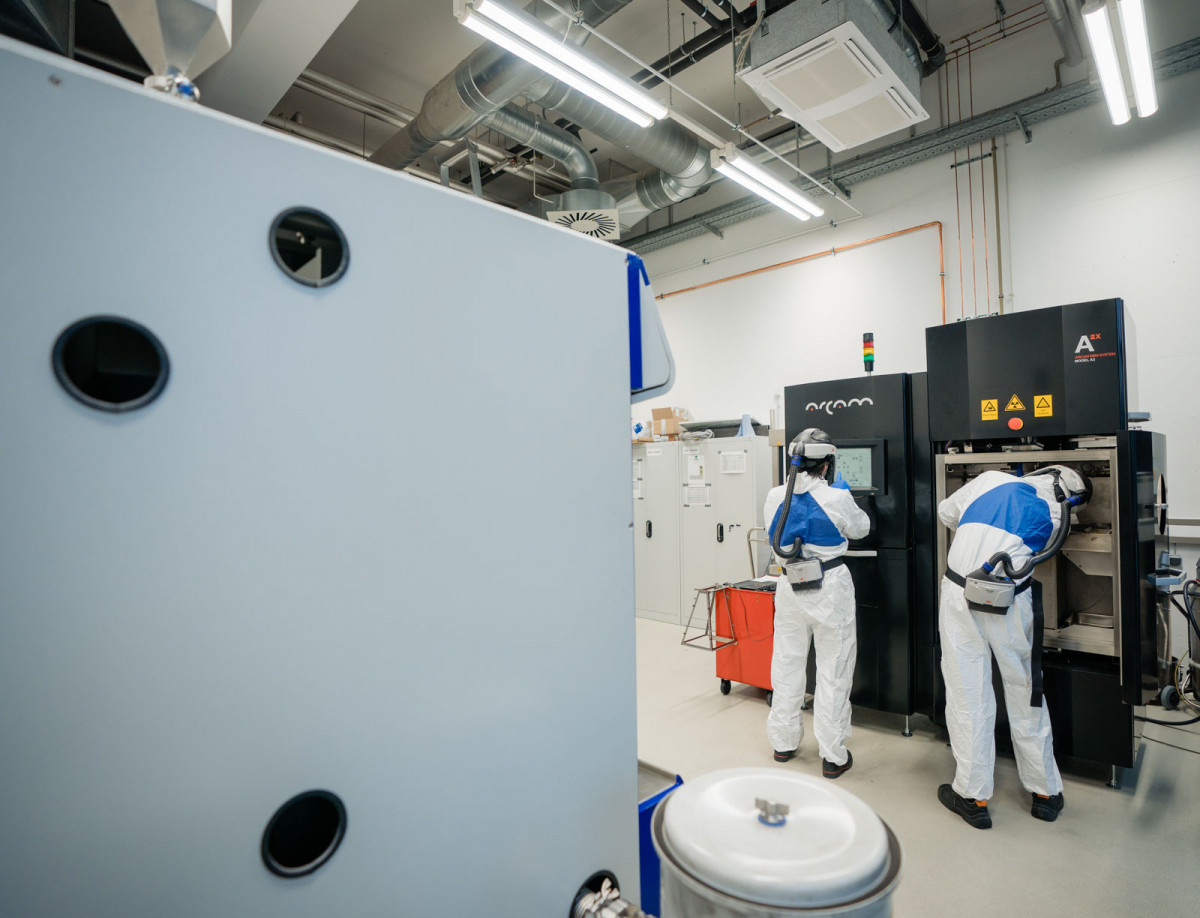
1126 852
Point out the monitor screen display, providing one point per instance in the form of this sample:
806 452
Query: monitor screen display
854 462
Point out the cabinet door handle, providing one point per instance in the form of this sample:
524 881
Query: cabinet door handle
649 530
720 532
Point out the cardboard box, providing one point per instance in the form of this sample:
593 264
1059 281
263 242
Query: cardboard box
666 427
665 421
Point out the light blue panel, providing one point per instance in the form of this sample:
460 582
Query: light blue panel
274 578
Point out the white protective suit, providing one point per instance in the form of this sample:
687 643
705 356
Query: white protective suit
823 518
995 512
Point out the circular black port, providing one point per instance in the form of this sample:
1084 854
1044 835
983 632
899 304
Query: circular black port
309 247
110 363
594 884
304 833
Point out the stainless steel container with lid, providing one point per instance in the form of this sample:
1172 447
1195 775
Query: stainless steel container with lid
769 843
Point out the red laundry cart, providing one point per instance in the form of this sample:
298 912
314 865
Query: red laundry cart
745 614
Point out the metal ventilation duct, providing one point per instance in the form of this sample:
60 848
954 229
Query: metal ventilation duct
650 191
566 148
1058 12
680 162
545 138
483 83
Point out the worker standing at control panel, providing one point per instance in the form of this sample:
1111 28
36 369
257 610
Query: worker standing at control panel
1003 525
811 522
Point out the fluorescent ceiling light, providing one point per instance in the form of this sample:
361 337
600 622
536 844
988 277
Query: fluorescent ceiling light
1104 53
1137 53
524 26
730 162
521 34
568 76
763 192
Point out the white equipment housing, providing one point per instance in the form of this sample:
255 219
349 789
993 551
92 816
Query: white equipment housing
271 579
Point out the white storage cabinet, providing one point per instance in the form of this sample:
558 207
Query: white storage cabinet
700 499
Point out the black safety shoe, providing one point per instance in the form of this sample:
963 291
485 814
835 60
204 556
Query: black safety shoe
829 770
974 812
784 756
1047 808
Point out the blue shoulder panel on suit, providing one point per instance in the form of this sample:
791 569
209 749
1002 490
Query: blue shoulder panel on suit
1014 507
808 523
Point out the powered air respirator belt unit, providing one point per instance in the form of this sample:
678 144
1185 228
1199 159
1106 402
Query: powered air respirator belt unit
811 449
992 588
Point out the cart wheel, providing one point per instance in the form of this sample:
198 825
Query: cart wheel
726 685
770 697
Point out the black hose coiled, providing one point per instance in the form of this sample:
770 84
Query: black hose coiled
785 508
1001 561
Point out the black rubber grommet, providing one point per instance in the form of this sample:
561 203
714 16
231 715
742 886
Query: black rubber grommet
304 833
110 363
298 235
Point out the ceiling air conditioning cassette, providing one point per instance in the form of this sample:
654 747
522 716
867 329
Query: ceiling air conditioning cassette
832 67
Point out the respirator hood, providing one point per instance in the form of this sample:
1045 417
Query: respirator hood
1069 481
812 446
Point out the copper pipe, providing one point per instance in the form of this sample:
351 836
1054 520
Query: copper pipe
941 270
963 51
987 275
999 257
832 251
946 113
962 291
1001 30
987 272
971 193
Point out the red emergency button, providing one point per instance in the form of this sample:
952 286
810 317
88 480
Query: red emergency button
1015 423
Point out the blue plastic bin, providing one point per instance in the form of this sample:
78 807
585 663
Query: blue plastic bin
653 785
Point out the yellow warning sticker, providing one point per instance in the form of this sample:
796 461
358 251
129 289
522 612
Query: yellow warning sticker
1014 404
991 409
1043 406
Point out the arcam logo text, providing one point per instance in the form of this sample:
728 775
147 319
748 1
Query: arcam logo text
830 407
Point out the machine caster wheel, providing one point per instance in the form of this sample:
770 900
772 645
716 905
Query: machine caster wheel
726 685
1169 697
770 697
